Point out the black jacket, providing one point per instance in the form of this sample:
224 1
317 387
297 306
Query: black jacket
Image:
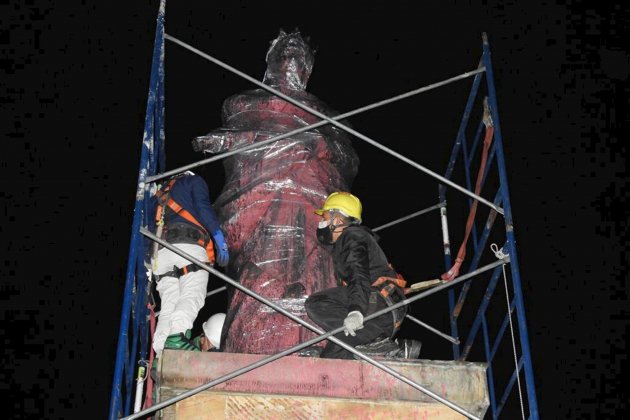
359 261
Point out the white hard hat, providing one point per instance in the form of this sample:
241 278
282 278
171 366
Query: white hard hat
212 328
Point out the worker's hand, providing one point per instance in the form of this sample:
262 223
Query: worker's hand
221 248
352 323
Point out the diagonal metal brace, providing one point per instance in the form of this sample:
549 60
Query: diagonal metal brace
337 123
313 126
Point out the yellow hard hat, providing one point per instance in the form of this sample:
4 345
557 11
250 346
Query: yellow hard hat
344 202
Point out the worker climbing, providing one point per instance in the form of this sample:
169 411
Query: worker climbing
367 283
184 218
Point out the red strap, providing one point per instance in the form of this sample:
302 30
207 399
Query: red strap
148 399
461 254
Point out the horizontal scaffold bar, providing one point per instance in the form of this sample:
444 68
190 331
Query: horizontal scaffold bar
311 126
411 216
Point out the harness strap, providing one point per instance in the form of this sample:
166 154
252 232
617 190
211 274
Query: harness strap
164 200
172 204
179 272
398 281
388 287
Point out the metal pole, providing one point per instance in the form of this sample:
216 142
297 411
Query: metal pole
315 125
481 311
446 247
508 389
311 327
511 240
215 291
461 133
430 328
460 140
340 125
489 373
210 293
501 331
123 334
411 216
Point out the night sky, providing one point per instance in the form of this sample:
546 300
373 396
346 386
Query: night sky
73 91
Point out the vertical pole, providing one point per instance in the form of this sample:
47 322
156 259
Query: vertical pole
460 134
442 199
511 241
489 374
481 312
122 350
451 293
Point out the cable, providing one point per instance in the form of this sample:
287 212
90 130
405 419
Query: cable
500 255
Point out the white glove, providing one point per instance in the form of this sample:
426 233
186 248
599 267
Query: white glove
353 322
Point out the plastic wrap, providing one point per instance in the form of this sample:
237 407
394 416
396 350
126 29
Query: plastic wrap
268 200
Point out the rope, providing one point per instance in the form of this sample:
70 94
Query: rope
148 400
500 255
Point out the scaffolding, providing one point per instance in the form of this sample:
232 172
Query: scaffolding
133 341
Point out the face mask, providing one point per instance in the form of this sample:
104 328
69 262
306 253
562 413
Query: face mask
324 233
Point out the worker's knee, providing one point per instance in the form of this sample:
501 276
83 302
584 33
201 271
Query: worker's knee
309 304
315 304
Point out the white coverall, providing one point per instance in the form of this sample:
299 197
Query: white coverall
183 297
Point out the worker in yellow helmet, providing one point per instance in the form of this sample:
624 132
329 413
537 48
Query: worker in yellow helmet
367 283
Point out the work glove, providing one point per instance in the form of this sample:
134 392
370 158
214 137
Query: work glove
352 323
222 254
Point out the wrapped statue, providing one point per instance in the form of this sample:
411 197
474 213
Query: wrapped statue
269 197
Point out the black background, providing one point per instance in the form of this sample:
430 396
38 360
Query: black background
72 99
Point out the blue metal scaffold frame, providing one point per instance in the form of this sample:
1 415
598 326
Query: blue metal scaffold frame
133 334
502 198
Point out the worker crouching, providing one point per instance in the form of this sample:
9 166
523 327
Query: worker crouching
367 284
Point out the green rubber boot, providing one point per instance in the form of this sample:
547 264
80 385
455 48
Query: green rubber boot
181 341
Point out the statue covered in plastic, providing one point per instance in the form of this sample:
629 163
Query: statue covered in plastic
269 197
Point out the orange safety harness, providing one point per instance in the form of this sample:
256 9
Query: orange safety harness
461 254
387 287
164 200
